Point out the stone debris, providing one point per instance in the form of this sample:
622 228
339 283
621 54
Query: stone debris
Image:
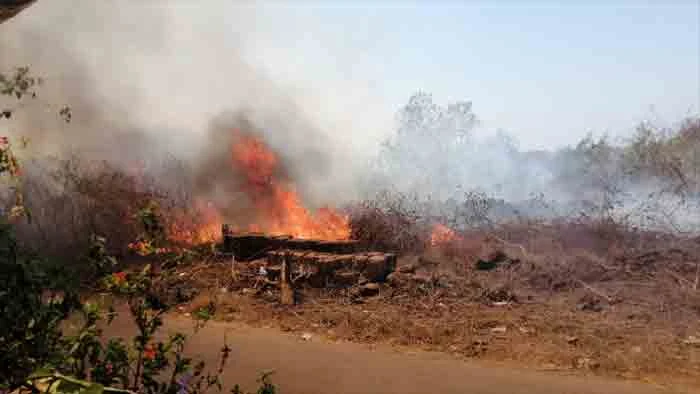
370 290
407 269
692 341
499 330
586 363
526 330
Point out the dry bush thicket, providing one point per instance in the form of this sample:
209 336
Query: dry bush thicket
616 243
70 199
389 222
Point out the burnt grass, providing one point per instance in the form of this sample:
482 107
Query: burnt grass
591 299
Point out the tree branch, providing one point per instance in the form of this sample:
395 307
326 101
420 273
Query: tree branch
10 8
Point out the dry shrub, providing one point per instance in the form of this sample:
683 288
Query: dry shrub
468 247
389 222
575 258
667 154
619 264
70 199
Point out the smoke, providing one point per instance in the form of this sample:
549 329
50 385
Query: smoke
455 167
237 189
146 79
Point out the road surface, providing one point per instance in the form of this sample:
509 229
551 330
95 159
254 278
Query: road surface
315 366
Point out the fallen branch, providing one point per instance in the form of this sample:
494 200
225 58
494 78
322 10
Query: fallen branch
595 291
681 280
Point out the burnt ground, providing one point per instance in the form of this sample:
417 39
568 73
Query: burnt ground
551 299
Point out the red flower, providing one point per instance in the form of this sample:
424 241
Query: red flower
119 277
149 353
109 368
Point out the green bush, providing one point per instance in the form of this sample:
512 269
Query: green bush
31 311
35 354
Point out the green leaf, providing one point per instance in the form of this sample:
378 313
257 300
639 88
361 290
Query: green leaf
74 348
94 388
41 374
64 387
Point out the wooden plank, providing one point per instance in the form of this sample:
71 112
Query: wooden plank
318 269
250 246
286 286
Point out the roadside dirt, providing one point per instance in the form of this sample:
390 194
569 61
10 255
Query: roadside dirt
316 366
569 331
572 299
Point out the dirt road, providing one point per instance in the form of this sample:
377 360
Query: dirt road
315 367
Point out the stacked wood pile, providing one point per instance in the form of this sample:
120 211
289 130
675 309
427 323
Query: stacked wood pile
315 263
332 270
252 246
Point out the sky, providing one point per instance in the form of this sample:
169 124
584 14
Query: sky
547 72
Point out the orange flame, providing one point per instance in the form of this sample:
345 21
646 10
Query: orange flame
278 206
200 226
442 234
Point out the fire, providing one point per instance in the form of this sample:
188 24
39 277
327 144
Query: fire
442 234
201 226
277 204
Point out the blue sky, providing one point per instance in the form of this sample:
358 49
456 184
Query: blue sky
545 71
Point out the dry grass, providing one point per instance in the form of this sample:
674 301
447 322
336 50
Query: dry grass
592 294
70 199
575 302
